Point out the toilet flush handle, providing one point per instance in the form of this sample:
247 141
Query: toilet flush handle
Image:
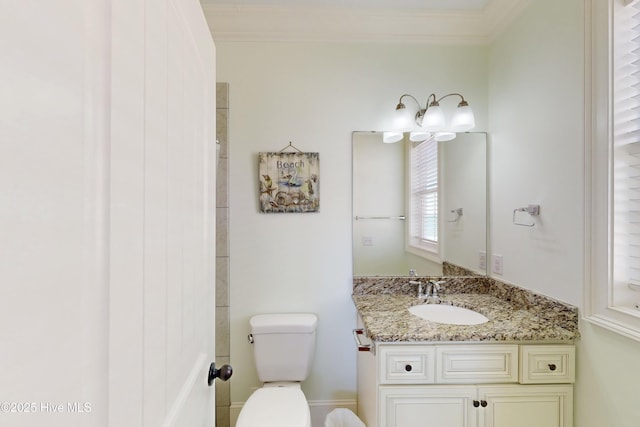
224 373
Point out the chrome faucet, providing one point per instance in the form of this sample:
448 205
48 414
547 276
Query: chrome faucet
432 291
429 293
421 294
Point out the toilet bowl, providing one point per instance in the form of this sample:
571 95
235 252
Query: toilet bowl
283 348
276 406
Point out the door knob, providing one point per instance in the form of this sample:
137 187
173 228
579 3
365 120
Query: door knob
224 373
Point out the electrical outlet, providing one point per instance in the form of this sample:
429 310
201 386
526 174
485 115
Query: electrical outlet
367 241
497 264
482 260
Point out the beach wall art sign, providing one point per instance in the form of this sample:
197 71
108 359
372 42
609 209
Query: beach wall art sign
289 182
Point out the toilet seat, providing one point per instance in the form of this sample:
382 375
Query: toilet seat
276 406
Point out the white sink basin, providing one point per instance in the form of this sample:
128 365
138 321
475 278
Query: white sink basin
449 314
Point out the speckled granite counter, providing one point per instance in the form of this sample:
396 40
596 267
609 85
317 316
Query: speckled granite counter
515 315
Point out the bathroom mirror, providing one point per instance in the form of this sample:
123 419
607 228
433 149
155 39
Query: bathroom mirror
380 177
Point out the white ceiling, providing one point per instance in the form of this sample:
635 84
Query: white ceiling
419 21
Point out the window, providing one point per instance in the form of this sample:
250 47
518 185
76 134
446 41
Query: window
626 156
423 221
613 252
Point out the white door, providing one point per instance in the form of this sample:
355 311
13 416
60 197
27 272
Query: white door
107 166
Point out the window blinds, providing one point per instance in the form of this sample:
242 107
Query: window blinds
626 154
423 217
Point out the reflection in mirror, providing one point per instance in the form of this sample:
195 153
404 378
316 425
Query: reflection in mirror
381 213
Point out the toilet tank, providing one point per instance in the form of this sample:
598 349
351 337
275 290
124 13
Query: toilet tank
283 345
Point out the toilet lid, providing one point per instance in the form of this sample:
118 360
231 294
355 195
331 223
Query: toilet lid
275 407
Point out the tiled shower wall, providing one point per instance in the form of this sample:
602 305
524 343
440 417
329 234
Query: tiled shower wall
223 401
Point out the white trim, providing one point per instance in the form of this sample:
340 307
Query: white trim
598 299
614 326
424 253
325 24
499 14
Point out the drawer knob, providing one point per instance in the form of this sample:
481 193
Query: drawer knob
476 403
552 366
483 403
408 368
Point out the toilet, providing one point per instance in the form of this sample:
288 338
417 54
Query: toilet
283 349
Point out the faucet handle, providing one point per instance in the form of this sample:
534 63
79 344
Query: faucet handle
421 293
436 286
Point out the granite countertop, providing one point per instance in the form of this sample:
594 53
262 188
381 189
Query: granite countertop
386 318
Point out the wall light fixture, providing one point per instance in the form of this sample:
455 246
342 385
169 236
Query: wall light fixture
431 118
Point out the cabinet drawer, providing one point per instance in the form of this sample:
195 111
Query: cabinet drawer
547 364
408 365
475 364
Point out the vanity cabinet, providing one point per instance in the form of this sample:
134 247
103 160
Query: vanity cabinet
471 406
466 385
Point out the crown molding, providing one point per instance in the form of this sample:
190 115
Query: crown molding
499 14
230 23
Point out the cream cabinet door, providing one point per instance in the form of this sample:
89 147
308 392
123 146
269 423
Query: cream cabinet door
526 406
450 406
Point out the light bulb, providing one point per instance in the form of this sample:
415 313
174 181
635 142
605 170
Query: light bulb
419 136
433 119
445 136
391 137
463 119
403 120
